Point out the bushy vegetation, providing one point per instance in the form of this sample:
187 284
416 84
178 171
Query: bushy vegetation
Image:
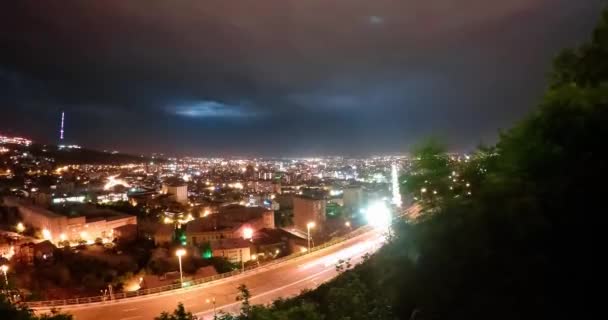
11 311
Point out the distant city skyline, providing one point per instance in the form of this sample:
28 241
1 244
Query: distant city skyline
282 78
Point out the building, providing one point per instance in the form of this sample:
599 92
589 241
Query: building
203 230
177 188
352 197
308 209
231 222
277 242
255 217
164 234
88 224
235 250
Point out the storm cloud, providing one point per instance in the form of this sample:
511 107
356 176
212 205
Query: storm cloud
278 77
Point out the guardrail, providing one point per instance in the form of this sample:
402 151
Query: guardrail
191 284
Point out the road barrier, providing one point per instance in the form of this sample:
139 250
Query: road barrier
49 304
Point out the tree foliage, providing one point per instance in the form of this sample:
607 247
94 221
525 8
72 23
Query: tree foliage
179 313
11 311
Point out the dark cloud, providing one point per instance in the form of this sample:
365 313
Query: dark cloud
278 76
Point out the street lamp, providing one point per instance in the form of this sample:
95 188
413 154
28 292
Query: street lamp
179 253
20 227
378 215
309 226
212 300
4 269
347 224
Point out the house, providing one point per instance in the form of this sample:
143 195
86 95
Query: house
235 250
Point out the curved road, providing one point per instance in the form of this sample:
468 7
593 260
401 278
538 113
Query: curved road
267 284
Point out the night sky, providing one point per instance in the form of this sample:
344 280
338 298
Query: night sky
278 77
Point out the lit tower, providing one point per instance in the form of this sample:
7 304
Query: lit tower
395 185
61 130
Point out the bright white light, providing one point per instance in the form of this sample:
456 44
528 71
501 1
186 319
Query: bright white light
112 182
20 227
180 252
46 234
378 215
247 233
395 186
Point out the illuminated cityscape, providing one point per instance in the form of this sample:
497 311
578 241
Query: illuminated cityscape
301 159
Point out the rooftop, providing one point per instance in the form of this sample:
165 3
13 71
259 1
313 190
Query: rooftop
226 244
174 182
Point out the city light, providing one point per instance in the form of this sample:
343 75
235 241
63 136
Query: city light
309 226
180 252
247 233
112 182
46 234
4 269
378 215
395 186
20 227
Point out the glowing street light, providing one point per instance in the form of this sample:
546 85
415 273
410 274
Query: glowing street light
4 269
46 234
212 300
309 226
179 253
20 227
247 233
347 224
378 215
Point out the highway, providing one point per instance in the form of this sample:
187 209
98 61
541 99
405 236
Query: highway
266 284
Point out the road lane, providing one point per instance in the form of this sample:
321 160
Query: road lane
266 285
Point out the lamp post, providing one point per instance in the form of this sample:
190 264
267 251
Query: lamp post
212 300
254 257
4 269
309 226
179 253
242 262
